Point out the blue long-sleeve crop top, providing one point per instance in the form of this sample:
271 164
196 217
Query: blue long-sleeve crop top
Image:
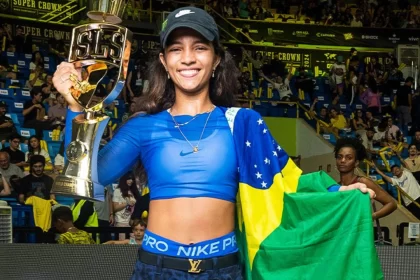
173 169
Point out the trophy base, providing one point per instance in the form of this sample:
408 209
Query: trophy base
104 17
77 188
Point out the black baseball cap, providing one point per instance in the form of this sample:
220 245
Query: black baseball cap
3 104
191 17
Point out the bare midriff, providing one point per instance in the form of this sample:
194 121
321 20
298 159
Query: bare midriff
191 220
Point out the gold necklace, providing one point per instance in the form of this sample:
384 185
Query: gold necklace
195 148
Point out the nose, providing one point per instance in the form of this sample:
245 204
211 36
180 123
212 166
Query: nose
188 56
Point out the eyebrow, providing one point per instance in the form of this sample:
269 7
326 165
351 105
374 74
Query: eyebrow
197 41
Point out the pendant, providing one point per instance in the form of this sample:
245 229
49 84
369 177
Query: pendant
195 149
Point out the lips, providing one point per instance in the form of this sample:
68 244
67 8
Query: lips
188 73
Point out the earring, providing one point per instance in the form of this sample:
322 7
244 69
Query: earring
169 77
212 75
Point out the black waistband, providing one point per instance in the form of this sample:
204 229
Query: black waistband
189 265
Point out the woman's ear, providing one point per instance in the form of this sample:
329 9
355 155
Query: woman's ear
357 163
217 62
162 60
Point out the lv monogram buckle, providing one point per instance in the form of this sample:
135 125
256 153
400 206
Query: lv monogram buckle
194 266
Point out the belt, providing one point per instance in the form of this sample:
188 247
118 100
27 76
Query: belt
189 265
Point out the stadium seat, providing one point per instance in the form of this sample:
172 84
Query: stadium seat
7 94
27 132
14 118
22 95
53 149
47 135
17 107
330 138
24 147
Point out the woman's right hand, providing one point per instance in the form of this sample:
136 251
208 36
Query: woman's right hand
62 83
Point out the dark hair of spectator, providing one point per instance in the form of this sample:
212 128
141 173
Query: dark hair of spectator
35 91
136 222
35 159
354 143
30 148
63 213
124 187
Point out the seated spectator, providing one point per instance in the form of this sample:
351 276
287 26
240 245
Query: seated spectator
16 156
37 59
57 113
369 141
36 183
407 182
393 132
62 219
34 148
6 124
38 77
324 126
11 173
338 121
49 93
34 113
412 163
138 227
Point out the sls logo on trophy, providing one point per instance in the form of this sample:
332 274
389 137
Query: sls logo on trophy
100 51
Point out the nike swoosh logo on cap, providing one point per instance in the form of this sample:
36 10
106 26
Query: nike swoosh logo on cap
183 13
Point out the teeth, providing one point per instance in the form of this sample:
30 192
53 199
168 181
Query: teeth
189 72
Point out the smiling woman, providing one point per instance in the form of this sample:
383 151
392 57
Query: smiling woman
193 151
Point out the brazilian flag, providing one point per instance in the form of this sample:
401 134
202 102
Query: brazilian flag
289 225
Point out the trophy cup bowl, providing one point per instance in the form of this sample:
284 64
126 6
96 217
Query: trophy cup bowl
110 11
98 51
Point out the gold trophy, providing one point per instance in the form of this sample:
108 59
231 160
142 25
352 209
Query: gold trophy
99 50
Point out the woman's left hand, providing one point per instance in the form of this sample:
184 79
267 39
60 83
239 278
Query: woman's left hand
358 186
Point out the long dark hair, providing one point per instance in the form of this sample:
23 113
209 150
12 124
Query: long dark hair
125 188
160 94
30 148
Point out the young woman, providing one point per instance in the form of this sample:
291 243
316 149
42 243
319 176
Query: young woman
184 141
34 148
349 152
37 59
123 202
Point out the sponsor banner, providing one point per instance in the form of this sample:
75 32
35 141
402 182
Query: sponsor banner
327 35
38 8
309 58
